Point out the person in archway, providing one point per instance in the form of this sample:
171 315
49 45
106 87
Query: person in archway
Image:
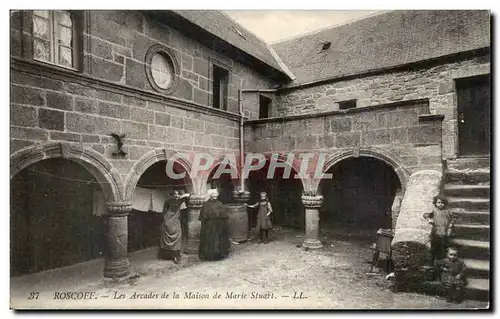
263 217
214 233
171 231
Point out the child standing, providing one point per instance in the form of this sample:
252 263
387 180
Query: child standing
442 221
263 217
452 275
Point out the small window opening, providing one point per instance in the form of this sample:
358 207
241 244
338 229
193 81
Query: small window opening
345 105
325 46
220 80
264 107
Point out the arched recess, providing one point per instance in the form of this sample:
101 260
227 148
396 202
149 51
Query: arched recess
390 159
150 159
285 192
94 162
361 191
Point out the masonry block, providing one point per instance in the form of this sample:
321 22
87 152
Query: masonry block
85 105
51 119
135 130
61 136
26 95
23 116
91 124
105 69
340 124
59 101
348 139
114 110
376 137
142 115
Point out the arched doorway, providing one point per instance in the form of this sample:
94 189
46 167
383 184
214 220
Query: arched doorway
54 218
358 198
284 193
152 189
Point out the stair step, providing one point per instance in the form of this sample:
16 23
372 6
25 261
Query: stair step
477 268
465 163
482 191
471 177
472 217
473 249
471 231
478 289
471 203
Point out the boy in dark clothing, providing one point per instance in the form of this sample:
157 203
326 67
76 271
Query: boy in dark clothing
452 275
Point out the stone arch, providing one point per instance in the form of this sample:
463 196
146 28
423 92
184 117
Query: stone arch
390 159
91 160
147 161
307 185
204 177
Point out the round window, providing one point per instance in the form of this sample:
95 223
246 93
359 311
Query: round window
161 69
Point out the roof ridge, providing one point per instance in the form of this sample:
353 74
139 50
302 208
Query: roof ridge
306 34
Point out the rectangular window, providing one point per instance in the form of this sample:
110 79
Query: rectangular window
220 78
54 37
345 105
264 107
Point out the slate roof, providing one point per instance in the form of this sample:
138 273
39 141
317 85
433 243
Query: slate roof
382 41
224 27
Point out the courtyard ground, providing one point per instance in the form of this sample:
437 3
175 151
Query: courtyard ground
275 275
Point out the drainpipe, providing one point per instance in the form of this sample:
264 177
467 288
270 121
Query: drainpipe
242 150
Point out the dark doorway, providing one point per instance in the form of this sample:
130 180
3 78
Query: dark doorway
283 193
53 222
359 196
474 125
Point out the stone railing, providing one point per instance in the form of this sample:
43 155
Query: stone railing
412 238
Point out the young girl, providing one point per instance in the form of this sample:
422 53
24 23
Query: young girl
442 221
263 217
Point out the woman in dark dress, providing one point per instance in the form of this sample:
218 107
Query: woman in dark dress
214 235
171 231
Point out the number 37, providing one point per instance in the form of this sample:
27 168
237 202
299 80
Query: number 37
33 295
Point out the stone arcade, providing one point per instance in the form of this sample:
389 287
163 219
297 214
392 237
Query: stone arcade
401 98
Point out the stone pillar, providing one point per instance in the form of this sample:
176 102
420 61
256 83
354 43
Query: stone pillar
194 225
312 204
116 262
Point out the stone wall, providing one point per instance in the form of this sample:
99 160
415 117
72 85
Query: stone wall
433 82
111 93
403 130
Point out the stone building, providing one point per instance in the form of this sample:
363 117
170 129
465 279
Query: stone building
398 100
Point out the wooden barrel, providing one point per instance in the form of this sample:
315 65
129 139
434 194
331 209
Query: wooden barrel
238 222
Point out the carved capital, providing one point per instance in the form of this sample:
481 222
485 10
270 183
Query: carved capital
119 208
196 201
312 202
241 197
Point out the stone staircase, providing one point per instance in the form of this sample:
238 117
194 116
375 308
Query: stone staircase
467 187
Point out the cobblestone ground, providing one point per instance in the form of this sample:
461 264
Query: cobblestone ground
258 276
